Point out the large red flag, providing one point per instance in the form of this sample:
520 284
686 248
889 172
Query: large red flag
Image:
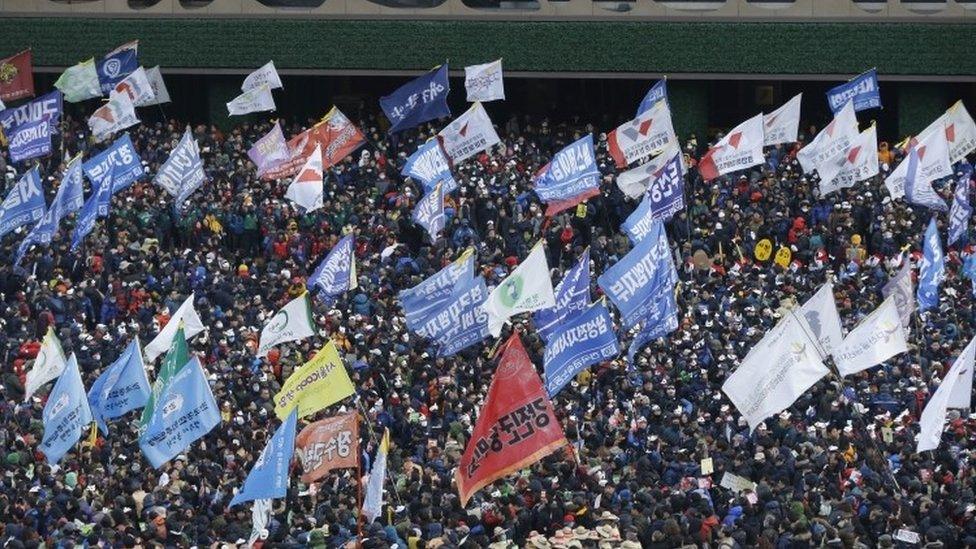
332 443
335 133
516 427
16 77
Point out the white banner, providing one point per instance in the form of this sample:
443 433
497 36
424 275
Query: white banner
484 82
933 417
527 288
960 131
933 163
118 114
48 364
468 134
265 75
859 162
783 365
306 189
633 183
833 140
292 323
160 93
962 388
783 124
820 312
253 100
137 87
741 148
875 339
643 136
192 325
900 286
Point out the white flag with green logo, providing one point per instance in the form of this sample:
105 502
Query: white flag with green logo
79 82
528 288
292 323
48 364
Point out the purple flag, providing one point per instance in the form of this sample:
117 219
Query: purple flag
269 151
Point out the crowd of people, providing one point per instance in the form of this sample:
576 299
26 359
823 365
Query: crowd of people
837 469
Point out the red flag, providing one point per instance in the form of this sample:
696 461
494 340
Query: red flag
516 427
337 135
16 77
332 443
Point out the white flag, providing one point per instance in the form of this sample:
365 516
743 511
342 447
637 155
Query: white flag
160 93
742 148
48 364
900 286
782 125
783 365
875 339
633 183
468 134
643 136
292 323
253 100
933 417
832 141
960 131
820 312
858 163
118 114
260 517
962 389
265 75
306 189
138 87
484 82
933 163
192 325
527 288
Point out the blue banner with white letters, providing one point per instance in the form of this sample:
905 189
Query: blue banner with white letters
46 107
30 140
570 173
932 269
658 92
429 212
586 340
572 298
863 90
66 414
335 274
120 158
114 67
661 320
96 206
121 388
961 208
268 478
23 204
666 190
462 321
417 101
69 198
424 299
634 282
429 165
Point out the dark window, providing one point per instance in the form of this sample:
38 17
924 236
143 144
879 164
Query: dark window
142 4
409 3
503 5
305 4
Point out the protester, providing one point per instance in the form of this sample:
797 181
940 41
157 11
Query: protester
838 468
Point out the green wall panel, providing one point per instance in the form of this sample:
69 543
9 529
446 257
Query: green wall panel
919 104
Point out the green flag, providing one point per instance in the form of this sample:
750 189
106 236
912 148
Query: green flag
176 357
79 82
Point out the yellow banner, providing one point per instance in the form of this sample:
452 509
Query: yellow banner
320 382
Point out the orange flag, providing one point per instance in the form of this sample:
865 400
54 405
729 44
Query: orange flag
332 443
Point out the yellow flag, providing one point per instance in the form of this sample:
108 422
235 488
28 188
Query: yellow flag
320 382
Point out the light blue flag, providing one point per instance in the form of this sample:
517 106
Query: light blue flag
572 172
121 388
584 341
66 414
658 92
419 100
918 192
23 204
69 198
932 269
429 165
96 206
461 321
429 212
185 411
182 173
424 299
661 320
634 282
121 159
961 208
335 274
268 478
572 298
639 223
863 90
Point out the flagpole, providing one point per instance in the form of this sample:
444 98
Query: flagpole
359 502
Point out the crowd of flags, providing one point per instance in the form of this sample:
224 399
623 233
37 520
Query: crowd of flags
455 309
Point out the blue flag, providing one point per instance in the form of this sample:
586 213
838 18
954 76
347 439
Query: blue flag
422 99
121 388
66 413
185 411
429 165
634 282
658 92
424 299
572 298
586 340
116 65
932 269
961 209
429 212
918 192
268 478
46 107
96 206
462 321
121 159
336 273
23 204
664 198
863 90
30 140
571 175
661 320
69 198
182 173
